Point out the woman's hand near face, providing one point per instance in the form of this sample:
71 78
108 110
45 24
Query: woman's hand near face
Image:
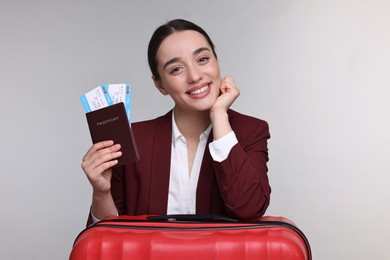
228 94
97 164
218 112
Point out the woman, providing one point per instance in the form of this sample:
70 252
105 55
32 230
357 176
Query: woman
201 157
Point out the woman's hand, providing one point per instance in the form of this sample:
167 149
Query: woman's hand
228 94
218 112
97 164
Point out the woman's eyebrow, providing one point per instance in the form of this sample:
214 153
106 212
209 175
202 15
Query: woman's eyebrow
171 61
197 51
176 59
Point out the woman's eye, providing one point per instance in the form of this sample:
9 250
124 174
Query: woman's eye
204 59
175 70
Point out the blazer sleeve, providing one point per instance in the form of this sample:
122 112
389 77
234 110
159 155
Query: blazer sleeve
242 178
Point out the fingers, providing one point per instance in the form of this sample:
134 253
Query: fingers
101 156
228 94
228 85
97 147
97 164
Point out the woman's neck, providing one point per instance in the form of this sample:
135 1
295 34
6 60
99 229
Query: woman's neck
192 124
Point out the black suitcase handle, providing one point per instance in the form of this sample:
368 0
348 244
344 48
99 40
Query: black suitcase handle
193 217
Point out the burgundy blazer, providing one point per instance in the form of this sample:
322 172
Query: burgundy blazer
237 186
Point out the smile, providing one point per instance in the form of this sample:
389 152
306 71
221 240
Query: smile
199 90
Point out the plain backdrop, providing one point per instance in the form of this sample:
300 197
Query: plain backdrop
317 71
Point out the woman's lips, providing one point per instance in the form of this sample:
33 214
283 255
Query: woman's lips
199 90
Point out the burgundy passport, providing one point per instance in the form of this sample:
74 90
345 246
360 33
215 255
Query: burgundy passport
110 123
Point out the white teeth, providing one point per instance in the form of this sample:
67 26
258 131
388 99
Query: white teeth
198 91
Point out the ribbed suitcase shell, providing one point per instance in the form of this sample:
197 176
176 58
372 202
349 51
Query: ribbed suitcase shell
137 238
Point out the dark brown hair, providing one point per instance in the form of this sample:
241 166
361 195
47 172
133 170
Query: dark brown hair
163 32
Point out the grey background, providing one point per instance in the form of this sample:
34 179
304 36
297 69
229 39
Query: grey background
317 71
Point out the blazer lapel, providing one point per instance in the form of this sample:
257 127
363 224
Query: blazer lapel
160 166
205 182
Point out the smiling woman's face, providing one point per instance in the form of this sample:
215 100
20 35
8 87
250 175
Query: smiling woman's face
189 71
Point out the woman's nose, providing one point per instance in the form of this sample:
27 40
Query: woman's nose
194 74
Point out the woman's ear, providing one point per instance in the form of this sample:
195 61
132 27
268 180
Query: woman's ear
159 86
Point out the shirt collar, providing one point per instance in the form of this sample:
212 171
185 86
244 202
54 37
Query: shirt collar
176 134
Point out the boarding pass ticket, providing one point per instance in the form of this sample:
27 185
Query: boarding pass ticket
106 95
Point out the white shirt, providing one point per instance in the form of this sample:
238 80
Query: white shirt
182 183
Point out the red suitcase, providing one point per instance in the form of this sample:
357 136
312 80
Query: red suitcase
190 237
